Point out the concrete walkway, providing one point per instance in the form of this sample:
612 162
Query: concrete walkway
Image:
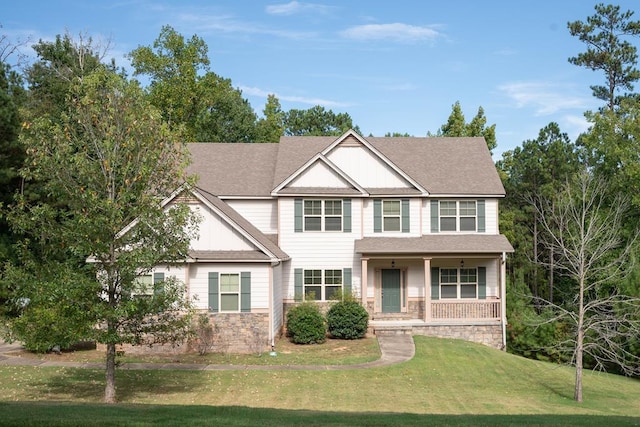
393 348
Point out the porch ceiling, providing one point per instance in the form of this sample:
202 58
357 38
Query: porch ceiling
435 243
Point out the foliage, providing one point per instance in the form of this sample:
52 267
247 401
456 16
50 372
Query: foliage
271 127
586 233
457 126
306 324
191 98
347 319
608 51
316 121
107 163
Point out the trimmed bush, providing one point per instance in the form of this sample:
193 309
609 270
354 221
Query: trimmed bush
347 320
306 325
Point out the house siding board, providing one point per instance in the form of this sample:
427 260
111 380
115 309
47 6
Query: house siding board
319 174
366 168
277 309
261 213
214 231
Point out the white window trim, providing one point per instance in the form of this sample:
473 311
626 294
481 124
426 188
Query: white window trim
221 293
399 216
323 283
458 283
458 216
323 215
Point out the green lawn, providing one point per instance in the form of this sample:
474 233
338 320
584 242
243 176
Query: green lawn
449 382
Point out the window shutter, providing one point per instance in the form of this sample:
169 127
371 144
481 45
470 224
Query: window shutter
481 216
482 282
435 283
158 278
346 282
213 291
435 216
405 215
245 291
346 215
297 282
377 215
297 206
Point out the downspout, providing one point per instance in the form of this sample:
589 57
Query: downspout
503 297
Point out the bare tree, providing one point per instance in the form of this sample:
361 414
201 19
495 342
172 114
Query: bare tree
585 231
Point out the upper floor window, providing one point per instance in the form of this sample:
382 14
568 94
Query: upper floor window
323 215
457 215
391 215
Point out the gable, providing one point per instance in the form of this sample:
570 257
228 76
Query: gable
319 174
216 234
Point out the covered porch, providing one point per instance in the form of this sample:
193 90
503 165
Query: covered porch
442 285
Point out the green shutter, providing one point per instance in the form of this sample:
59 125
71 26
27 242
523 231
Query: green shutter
377 216
435 283
482 283
297 281
405 215
245 291
346 215
435 216
346 282
158 278
298 215
213 292
481 216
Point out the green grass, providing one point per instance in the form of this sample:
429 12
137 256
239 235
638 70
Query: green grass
449 382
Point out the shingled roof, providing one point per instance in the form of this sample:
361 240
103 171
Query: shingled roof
443 166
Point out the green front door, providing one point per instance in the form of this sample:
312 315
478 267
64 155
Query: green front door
391 291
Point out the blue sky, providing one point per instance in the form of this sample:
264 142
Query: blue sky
394 66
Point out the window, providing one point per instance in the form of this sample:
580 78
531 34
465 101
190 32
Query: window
323 215
458 215
391 215
144 285
322 285
229 292
458 283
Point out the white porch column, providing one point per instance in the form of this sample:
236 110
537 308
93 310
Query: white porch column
364 281
427 289
503 298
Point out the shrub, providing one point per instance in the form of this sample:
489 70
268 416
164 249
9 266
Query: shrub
347 319
306 325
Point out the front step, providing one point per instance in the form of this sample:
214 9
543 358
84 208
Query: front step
391 316
392 330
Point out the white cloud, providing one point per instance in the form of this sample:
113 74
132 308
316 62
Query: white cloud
545 98
228 24
254 91
295 7
396 32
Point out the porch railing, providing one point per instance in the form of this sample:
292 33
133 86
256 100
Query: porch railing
465 310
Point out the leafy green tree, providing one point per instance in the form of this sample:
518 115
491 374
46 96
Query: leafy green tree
538 168
396 135
457 126
108 163
60 63
270 127
608 51
193 99
316 121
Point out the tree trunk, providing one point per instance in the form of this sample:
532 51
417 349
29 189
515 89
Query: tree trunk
551 270
110 386
579 344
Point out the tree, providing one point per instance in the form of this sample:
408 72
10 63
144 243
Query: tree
193 99
108 163
457 126
270 127
586 234
607 51
316 121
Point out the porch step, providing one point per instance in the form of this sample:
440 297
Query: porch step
392 330
391 316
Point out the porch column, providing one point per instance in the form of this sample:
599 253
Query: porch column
364 282
427 289
503 298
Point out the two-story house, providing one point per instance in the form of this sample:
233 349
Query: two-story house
408 225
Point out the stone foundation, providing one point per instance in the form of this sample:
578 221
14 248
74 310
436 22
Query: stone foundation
490 335
237 333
